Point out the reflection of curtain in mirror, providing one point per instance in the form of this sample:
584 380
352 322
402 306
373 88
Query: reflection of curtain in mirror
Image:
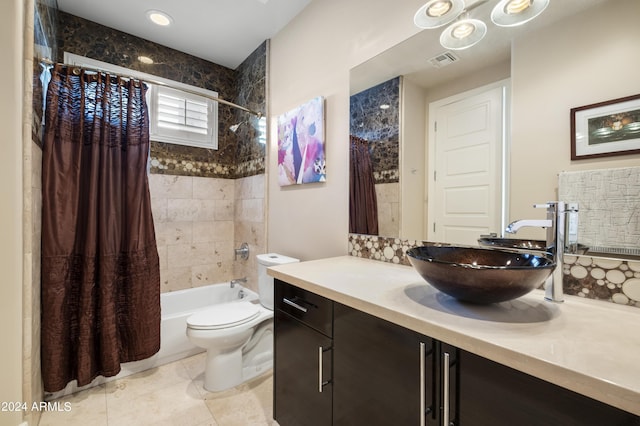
363 206
100 266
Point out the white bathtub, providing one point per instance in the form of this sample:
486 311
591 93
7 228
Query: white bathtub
176 307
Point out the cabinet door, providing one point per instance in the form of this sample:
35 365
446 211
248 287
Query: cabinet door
377 371
492 394
300 355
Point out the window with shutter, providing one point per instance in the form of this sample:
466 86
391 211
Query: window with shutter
176 116
182 118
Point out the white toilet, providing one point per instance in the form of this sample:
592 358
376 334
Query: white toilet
238 336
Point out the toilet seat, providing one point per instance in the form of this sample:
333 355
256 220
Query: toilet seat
225 315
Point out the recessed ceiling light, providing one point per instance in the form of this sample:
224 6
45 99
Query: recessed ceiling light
145 60
159 18
385 106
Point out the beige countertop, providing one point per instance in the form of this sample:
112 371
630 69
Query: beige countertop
590 347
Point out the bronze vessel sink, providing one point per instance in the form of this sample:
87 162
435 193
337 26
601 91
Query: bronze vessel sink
480 275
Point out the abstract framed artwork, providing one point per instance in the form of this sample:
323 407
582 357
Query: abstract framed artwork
606 128
301 145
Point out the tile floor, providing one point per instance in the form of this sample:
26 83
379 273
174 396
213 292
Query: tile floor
172 394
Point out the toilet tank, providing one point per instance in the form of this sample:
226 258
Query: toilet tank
265 282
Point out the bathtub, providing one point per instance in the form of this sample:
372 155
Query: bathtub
176 307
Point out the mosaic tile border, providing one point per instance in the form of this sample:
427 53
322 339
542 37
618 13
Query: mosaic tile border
606 279
386 176
177 166
600 278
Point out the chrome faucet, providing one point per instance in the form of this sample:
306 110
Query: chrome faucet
555 226
238 281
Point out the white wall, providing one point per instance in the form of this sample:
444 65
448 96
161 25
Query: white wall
413 162
11 250
312 57
559 68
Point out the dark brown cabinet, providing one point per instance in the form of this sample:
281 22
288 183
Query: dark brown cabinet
383 373
302 383
338 365
490 394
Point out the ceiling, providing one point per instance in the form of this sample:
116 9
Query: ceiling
225 32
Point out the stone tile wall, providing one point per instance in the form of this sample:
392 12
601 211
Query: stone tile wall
200 221
238 154
380 127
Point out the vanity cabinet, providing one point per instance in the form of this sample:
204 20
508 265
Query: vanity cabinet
488 393
383 373
338 365
303 338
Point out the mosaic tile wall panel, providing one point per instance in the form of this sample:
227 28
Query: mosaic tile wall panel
381 127
606 279
609 205
96 41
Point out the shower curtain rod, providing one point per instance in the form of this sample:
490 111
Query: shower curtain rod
160 83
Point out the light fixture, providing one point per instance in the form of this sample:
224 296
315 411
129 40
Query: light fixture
436 13
463 34
511 13
159 18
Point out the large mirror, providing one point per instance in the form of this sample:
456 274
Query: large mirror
424 76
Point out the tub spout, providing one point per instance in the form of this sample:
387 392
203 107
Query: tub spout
238 281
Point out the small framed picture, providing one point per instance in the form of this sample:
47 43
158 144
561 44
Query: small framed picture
606 129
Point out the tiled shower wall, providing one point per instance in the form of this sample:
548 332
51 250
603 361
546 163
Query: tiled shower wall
381 128
193 189
196 221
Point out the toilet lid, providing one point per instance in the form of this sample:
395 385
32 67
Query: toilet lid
224 315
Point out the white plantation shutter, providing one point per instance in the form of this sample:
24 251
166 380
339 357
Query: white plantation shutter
183 118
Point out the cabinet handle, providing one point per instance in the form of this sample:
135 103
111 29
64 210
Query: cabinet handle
445 380
423 378
294 304
321 383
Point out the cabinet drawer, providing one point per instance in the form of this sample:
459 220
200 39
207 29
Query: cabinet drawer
307 307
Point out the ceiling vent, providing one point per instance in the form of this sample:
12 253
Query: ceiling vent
443 59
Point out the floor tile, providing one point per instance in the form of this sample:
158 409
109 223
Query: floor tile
248 404
169 395
86 407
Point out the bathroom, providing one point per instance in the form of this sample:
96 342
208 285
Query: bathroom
311 230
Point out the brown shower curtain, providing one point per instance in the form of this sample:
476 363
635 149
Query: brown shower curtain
100 269
363 206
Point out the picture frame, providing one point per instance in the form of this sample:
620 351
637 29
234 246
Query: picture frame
301 144
604 129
